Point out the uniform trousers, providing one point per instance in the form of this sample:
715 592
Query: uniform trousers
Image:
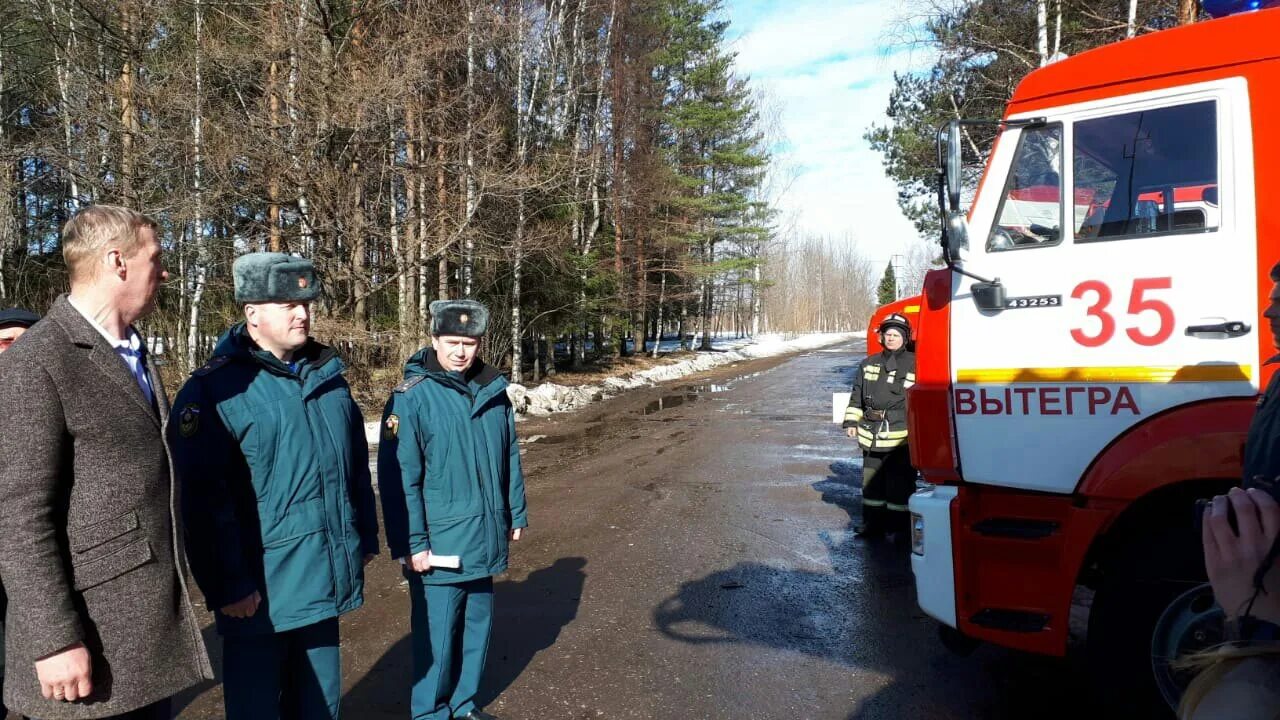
888 480
291 675
451 626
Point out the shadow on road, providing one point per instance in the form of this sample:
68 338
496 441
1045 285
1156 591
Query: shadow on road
528 617
863 615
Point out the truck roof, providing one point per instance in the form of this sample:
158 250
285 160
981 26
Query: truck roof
1225 42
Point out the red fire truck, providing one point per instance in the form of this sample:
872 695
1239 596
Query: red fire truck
1092 354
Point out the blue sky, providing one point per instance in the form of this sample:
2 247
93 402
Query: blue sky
828 67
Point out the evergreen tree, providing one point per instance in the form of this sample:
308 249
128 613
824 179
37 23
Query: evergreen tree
707 122
888 291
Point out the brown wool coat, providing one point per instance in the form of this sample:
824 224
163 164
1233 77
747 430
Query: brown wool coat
89 550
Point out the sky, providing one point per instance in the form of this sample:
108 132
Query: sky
828 65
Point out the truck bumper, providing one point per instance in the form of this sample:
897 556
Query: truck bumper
932 557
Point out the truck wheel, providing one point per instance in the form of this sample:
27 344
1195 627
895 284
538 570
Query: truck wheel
1146 570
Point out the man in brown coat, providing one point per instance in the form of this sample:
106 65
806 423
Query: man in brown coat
99 624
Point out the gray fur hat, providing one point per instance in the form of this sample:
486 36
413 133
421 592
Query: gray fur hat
466 318
274 277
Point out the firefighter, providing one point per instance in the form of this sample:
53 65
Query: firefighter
877 417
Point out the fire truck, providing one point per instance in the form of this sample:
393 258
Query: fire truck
1092 354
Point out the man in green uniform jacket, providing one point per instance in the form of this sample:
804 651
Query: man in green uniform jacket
278 504
452 495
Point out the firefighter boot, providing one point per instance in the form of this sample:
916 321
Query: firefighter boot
872 525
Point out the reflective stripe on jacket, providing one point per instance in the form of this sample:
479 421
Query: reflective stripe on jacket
878 403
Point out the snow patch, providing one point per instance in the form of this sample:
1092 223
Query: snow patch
549 398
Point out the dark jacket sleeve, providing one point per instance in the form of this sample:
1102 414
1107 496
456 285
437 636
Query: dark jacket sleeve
402 465
515 488
362 486
853 413
208 461
34 447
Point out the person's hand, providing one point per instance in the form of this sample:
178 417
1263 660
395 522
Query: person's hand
516 534
1232 559
244 608
368 558
67 674
851 432
421 562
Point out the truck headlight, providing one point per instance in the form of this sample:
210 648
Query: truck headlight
917 534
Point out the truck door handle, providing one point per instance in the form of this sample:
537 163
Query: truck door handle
1229 329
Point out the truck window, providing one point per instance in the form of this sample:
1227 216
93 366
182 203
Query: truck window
1147 172
1030 213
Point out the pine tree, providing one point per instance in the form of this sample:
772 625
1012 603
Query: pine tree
712 147
888 291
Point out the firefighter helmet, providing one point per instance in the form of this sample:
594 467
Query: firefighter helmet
896 320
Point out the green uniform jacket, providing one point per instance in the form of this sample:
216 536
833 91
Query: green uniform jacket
449 468
276 494
878 405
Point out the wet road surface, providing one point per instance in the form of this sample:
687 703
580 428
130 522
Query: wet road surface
691 556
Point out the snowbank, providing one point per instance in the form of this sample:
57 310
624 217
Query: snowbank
549 398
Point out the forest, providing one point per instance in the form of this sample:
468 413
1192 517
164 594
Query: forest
596 171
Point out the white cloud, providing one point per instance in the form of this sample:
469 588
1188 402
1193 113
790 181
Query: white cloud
830 67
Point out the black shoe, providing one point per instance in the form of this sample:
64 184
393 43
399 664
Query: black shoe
867 533
476 715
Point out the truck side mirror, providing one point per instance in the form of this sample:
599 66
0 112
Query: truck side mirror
957 233
954 162
989 295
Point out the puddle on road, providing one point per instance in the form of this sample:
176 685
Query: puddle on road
692 394
667 402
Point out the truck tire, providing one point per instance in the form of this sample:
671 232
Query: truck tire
1146 569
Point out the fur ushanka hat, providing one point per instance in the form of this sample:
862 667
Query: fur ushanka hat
464 318
274 277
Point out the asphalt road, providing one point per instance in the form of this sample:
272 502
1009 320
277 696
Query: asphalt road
691 556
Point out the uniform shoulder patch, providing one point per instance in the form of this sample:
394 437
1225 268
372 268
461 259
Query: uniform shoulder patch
408 383
214 363
189 420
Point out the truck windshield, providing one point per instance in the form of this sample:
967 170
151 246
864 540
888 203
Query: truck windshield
1031 209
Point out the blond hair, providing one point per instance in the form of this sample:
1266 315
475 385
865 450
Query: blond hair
96 229
1212 666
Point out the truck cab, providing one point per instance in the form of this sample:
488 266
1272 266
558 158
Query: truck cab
1096 345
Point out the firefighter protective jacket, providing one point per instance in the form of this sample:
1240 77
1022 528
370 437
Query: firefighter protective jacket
878 405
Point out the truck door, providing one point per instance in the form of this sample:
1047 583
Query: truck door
1124 233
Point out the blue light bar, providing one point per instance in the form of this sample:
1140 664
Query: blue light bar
1223 8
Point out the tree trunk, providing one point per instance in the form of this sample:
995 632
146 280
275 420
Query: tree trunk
1042 30
7 234
197 221
1133 18
274 240
756 297
468 241
128 107
399 250
62 59
662 301
1188 11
